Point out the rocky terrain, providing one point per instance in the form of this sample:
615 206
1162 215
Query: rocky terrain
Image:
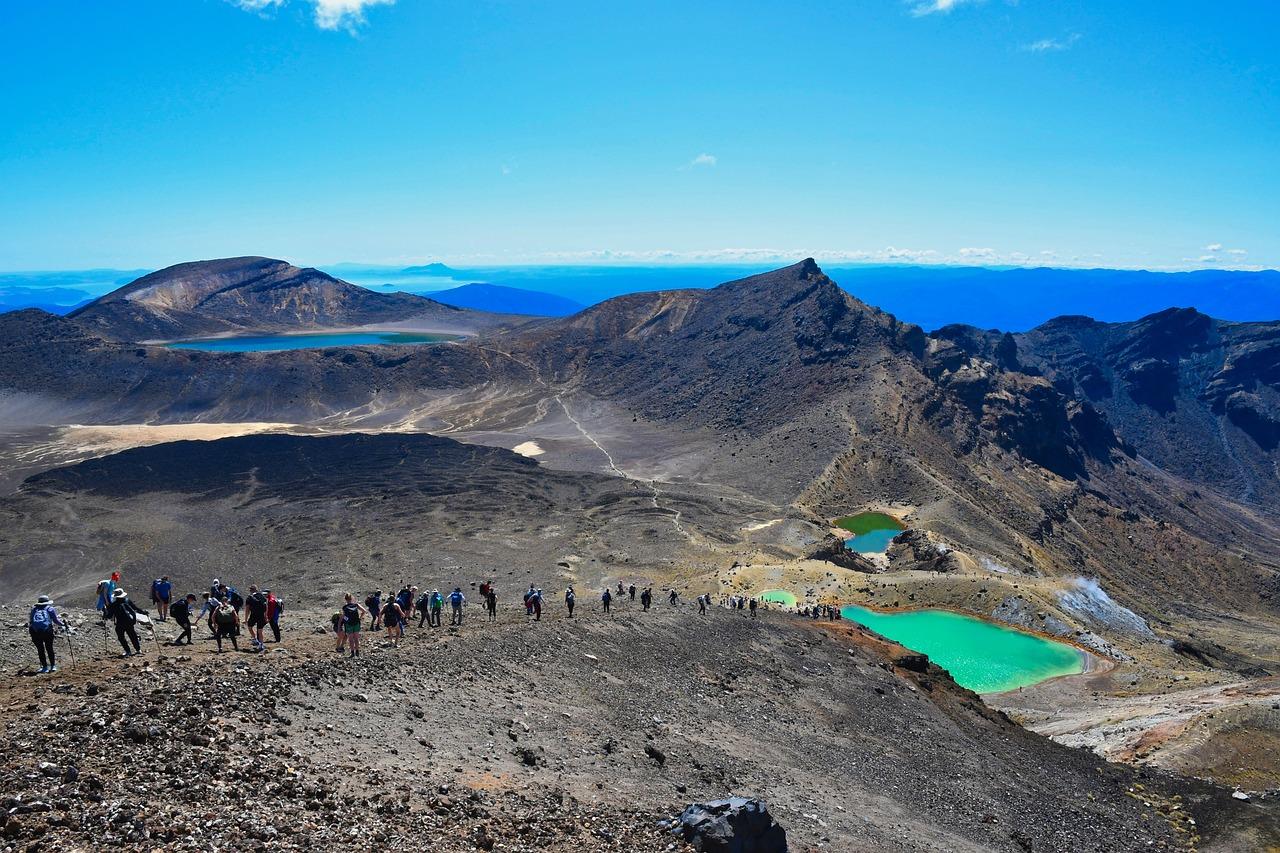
243 295
565 734
706 439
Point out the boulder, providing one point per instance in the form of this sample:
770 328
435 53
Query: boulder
733 825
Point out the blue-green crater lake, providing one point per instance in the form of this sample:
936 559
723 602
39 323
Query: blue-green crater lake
982 656
872 531
317 340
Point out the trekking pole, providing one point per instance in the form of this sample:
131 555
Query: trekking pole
71 647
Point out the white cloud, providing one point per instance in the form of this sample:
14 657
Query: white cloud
1052 44
978 254
1239 253
1213 247
329 14
703 160
1207 259
929 7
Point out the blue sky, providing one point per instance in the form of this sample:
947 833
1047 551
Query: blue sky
1096 133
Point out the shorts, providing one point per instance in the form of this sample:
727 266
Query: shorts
350 629
257 622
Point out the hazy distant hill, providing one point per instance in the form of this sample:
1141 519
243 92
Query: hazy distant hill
507 300
252 294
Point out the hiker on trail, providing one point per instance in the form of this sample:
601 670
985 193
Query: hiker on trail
674 596
105 589
391 617
620 591
606 598
646 598
125 613
255 609
336 619
491 601
752 607
215 589
702 605
161 592
206 612
437 604
528 601
181 613
226 625
275 609
484 590
456 600
41 624
537 605
373 603
232 596
424 608
352 614
632 589
405 599
569 599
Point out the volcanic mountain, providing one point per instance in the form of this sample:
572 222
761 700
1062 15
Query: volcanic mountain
251 294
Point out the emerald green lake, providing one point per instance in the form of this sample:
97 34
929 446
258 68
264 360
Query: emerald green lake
779 596
982 656
872 531
319 340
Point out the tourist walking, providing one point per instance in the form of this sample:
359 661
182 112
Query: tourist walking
702 605
537 605
275 609
181 613
674 596
752 608
392 617
606 598
125 613
632 590
424 608
105 590
646 598
41 624
569 599
491 601
352 616
226 625
161 592
456 600
373 604
255 608
437 605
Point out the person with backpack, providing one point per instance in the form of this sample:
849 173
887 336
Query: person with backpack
255 609
226 625
674 596
352 614
105 589
211 603
491 601
336 619
537 605
606 598
373 605
456 600
528 602
632 590
161 592
423 605
752 607
41 623
235 599
275 609
437 605
570 598
702 605
125 614
646 598
392 617
181 613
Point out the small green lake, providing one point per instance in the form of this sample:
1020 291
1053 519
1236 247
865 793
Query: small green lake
779 596
872 531
980 655
316 340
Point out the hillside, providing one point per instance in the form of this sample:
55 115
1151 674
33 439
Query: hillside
237 295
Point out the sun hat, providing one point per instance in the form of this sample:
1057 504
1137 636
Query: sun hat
120 593
44 599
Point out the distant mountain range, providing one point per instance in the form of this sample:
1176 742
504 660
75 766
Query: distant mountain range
507 300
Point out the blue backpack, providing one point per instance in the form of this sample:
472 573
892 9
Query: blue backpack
41 619
455 598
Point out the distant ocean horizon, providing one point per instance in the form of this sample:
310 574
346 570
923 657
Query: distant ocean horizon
1010 299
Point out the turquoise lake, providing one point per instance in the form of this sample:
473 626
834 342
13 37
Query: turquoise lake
320 340
980 655
875 542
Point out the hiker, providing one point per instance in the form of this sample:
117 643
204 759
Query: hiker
226 625
215 589
105 588
424 608
456 600
674 596
336 619
373 604
632 590
752 607
181 613
702 605
275 609
41 624
646 598
606 598
484 590
125 613
404 598
528 601
161 591
352 613
569 598
232 596
206 612
391 617
620 592
255 609
491 601
537 605
437 604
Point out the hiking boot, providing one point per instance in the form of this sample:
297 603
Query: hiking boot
53 669
43 670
